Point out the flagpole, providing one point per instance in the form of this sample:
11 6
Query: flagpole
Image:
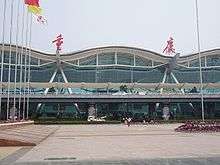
29 67
25 63
2 54
16 56
21 61
200 61
9 63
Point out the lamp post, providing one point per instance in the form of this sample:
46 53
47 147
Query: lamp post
200 62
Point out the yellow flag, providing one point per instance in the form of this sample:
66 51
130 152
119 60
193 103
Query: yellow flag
34 9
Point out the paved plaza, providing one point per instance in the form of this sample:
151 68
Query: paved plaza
119 144
25 135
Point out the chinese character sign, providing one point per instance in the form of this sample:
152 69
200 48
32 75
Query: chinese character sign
58 41
170 47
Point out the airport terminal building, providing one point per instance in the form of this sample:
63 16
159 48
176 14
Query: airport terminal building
117 72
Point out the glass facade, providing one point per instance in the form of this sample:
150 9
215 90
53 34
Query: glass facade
120 65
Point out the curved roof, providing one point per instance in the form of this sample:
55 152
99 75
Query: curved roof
193 56
34 53
150 55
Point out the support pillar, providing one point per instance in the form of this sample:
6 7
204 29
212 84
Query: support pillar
166 112
47 89
91 112
164 80
152 110
65 80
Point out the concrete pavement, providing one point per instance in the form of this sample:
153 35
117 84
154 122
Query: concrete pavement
6 151
25 135
119 144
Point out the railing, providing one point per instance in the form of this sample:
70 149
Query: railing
112 95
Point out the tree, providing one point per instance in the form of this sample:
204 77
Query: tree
52 90
123 88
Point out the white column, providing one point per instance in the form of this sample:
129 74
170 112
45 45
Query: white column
134 60
47 89
116 58
65 80
97 60
51 80
176 81
163 81
205 61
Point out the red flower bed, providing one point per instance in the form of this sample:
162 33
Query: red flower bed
197 126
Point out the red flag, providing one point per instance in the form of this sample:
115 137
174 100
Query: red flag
32 2
34 9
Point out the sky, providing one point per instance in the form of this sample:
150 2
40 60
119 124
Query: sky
145 24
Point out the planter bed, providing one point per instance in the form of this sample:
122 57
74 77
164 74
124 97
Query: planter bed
198 126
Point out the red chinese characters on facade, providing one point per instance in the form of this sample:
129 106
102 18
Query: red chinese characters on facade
170 47
58 41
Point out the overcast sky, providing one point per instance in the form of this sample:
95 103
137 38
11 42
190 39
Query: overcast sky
144 24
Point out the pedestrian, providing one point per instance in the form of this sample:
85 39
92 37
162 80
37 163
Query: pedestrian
129 121
125 121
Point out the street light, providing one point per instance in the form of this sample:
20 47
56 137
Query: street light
200 62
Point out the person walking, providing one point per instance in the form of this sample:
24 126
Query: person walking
129 121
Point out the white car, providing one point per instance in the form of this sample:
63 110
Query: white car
120 93
142 93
